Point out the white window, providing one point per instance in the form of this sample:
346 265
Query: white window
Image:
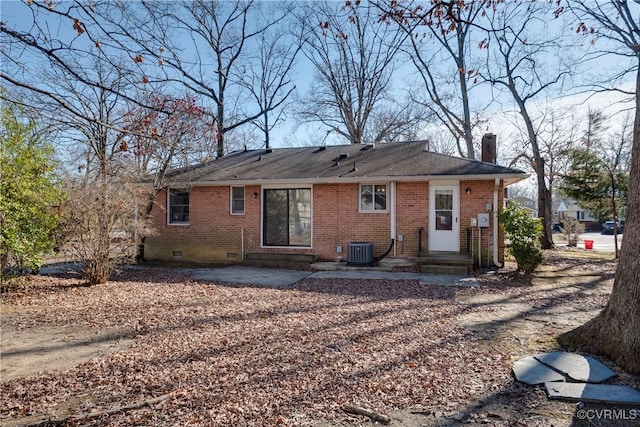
237 200
178 210
373 197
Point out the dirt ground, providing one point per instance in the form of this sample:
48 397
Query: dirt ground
153 347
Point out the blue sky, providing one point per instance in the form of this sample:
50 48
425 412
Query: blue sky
500 118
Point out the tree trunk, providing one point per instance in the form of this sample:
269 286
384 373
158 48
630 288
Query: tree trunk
615 332
544 193
614 215
544 201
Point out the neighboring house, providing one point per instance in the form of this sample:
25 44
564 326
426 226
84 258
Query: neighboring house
402 199
531 205
569 208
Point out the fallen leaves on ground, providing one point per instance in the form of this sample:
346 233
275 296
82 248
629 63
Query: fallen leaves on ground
240 355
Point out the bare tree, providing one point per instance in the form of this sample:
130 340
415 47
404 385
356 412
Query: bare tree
268 78
396 123
99 223
202 46
522 59
52 41
80 91
615 332
101 235
441 48
557 134
355 56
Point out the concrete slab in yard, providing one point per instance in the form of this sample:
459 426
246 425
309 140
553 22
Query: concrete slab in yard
577 367
364 274
269 277
604 393
529 371
448 280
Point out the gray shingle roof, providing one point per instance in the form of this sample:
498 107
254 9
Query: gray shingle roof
339 163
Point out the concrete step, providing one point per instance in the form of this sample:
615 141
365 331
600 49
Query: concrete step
280 257
390 262
279 260
444 269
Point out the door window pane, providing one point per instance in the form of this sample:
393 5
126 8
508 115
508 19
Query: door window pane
300 217
444 199
444 220
276 218
444 209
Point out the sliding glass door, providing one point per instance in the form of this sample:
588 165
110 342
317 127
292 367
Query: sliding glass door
287 217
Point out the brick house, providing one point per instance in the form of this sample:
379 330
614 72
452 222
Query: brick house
399 198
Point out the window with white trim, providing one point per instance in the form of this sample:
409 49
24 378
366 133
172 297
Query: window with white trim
237 200
373 197
178 209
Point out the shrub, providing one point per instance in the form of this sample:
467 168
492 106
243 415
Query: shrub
29 193
524 233
101 227
572 228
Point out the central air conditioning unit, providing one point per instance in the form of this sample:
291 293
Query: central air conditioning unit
360 253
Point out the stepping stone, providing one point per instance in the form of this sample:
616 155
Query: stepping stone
529 371
604 393
577 367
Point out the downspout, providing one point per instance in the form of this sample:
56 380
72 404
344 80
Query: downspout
496 188
242 244
393 227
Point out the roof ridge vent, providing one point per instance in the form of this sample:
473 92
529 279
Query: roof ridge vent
369 146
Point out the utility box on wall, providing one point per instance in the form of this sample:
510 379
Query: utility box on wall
483 220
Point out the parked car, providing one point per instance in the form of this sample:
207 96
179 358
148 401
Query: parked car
607 227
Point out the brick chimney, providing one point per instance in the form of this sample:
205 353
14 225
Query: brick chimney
489 148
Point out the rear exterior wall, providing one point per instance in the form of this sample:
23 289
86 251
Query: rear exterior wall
214 235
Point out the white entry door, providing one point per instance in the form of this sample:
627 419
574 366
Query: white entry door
444 223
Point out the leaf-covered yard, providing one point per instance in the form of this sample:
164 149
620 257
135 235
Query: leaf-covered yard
233 355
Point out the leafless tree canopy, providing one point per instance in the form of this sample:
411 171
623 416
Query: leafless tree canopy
442 46
355 56
518 52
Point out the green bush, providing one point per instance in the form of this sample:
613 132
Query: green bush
29 193
524 233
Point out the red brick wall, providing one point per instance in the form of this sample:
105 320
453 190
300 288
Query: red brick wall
214 235
412 213
473 203
337 221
